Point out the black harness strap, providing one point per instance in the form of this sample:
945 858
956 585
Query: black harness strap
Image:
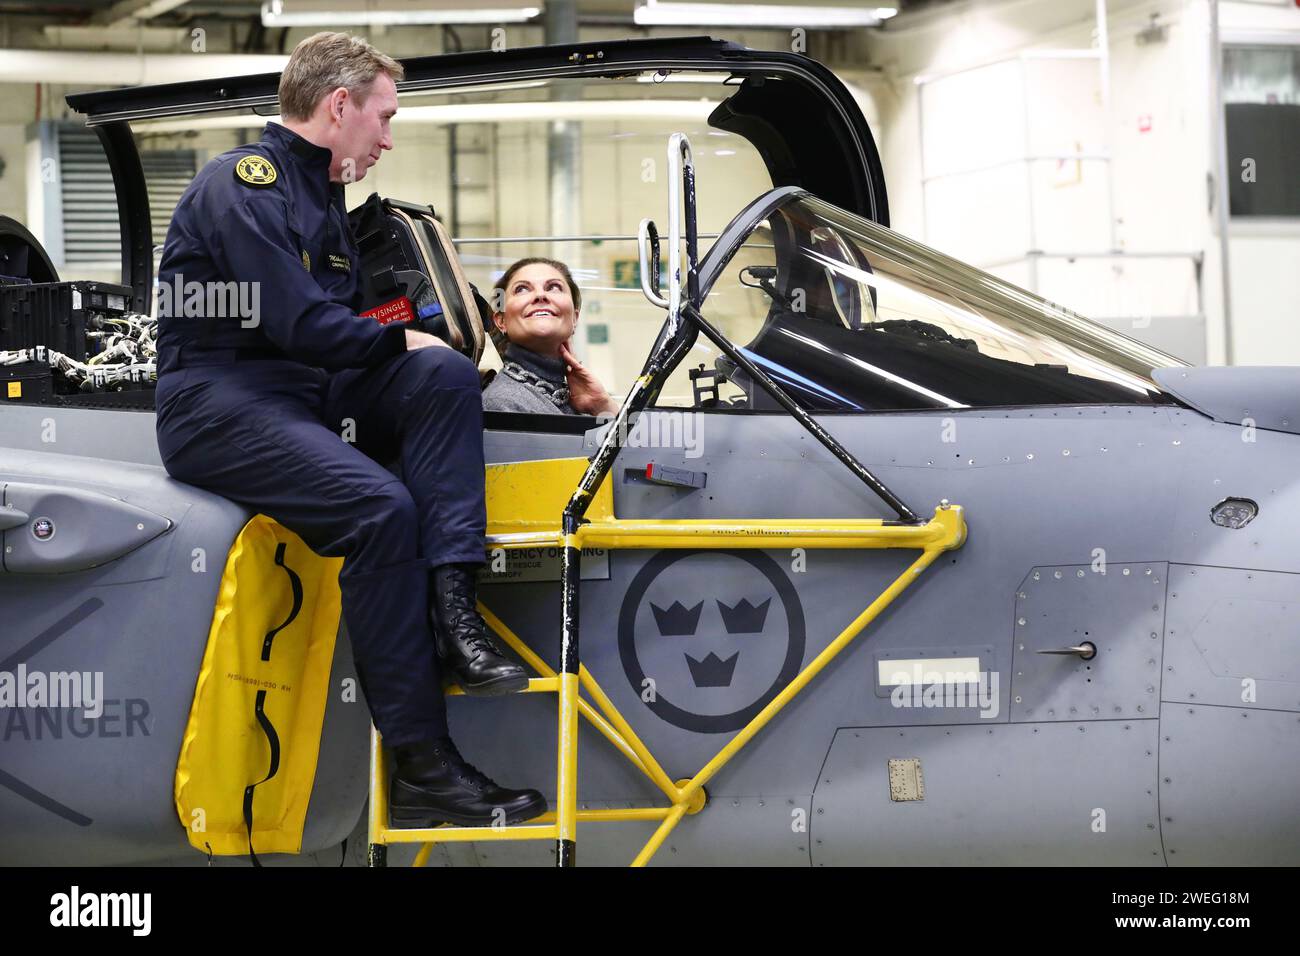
259 706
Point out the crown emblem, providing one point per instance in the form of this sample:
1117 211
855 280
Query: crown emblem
678 620
744 618
712 671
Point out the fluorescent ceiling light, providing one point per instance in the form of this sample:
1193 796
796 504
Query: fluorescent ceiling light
670 13
595 110
150 10
321 13
560 110
476 88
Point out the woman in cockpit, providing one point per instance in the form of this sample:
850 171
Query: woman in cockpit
539 304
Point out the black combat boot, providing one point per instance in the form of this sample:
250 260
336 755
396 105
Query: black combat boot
433 784
470 655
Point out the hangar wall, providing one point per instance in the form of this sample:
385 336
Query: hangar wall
1159 133
1264 252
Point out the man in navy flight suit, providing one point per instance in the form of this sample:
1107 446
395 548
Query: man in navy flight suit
256 409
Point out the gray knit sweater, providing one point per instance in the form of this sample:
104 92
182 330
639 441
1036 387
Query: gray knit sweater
528 382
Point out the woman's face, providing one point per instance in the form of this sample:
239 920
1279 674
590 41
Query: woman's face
537 309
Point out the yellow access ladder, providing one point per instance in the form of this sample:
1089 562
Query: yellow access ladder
524 500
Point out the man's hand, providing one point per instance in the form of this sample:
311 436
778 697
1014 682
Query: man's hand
586 394
422 340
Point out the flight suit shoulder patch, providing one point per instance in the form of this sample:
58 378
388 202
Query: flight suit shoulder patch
256 171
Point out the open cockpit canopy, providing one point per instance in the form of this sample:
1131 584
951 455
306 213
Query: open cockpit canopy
846 315
527 151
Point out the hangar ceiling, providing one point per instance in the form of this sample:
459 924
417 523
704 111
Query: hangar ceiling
178 12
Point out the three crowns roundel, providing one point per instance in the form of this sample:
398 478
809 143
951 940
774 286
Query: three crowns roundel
718 633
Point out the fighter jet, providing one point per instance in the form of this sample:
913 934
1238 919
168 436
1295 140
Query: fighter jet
884 560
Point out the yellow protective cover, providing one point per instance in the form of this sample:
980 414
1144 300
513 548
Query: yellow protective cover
260 696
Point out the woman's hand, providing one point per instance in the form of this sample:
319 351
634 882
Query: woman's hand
586 394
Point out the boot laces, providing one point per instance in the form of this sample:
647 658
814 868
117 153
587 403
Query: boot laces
471 631
466 770
464 618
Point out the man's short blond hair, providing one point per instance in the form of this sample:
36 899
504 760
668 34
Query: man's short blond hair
325 61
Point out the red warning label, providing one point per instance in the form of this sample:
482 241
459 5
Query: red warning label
399 310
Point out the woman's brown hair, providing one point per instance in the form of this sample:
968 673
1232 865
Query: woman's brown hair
574 292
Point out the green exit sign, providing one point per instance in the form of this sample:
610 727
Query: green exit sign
627 273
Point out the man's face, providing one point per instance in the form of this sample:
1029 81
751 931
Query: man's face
362 132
